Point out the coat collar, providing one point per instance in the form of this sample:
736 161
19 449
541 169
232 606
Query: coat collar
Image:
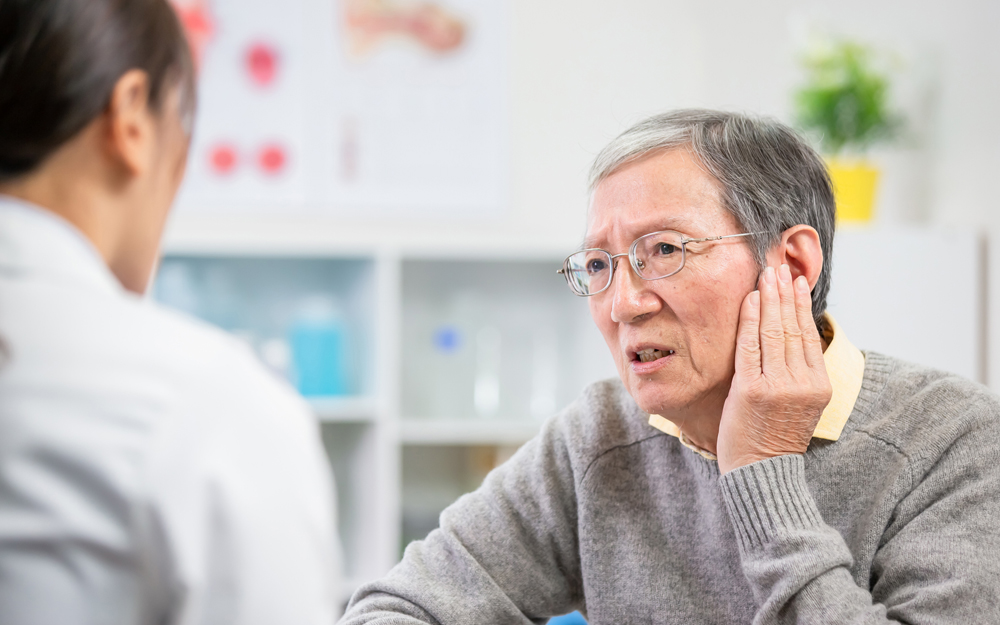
37 243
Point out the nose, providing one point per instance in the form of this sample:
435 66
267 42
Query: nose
632 300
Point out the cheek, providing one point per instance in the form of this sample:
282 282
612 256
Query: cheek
708 310
164 187
601 316
600 312
176 161
181 162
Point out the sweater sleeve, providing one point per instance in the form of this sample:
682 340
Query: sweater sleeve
938 561
506 553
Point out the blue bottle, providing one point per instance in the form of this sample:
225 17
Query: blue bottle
318 337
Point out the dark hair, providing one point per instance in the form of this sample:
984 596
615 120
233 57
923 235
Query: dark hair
60 61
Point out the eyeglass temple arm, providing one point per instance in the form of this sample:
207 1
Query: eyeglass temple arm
725 236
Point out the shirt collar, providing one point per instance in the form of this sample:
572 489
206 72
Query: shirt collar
37 242
845 364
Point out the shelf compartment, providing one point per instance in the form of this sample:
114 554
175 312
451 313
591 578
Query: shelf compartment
434 476
498 339
314 312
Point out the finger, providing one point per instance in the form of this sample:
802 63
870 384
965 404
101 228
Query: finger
811 343
748 338
772 336
794 356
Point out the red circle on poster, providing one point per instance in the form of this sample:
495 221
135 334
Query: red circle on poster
272 159
262 63
223 159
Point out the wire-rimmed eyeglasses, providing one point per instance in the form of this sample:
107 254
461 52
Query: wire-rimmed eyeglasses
652 256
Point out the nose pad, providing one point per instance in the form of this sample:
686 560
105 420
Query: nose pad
628 269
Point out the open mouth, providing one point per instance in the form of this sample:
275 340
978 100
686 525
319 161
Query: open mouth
649 355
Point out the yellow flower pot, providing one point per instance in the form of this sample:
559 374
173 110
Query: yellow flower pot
854 186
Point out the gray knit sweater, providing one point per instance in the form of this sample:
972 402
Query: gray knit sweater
898 521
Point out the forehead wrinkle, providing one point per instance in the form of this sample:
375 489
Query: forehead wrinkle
667 190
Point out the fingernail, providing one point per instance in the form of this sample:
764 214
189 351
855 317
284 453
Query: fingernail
802 284
785 274
755 298
769 275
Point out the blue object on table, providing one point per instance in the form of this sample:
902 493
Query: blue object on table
319 353
569 619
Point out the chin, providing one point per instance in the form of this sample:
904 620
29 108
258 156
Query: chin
655 397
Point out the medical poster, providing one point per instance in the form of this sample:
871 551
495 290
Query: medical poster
347 106
420 117
250 139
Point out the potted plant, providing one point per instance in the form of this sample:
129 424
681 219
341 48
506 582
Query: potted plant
844 104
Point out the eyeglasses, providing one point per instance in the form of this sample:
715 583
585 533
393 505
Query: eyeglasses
652 256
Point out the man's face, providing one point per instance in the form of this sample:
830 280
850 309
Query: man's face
691 315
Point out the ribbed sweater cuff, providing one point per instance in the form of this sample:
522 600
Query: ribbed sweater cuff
768 499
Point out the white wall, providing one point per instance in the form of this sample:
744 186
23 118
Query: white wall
583 71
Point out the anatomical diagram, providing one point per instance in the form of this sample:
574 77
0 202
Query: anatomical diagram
369 23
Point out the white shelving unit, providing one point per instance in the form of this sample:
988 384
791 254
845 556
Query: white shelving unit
399 454
433 407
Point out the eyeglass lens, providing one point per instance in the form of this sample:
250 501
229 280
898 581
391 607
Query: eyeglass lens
657 255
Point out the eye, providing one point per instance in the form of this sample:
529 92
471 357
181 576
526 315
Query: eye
665 249
596 265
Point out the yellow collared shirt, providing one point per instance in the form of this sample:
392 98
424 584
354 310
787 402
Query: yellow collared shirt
845 364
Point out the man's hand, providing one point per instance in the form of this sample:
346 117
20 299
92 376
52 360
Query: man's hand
780 387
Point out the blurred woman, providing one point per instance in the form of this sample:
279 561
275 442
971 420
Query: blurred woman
150 470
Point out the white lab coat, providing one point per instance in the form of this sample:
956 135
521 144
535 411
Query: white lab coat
151 472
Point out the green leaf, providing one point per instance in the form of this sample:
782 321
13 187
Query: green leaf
845 98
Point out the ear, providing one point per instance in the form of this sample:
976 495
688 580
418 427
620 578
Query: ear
130 124
800 249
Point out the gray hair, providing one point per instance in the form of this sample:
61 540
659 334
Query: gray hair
771 178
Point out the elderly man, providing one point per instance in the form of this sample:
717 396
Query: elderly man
751 465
